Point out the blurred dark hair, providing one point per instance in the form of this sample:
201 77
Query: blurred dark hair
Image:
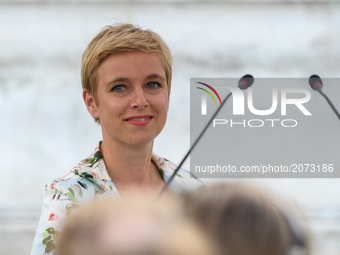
243 220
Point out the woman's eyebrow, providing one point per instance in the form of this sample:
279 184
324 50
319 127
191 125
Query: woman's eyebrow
124 79
119 79
155 76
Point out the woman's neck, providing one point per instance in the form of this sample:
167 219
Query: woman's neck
130 167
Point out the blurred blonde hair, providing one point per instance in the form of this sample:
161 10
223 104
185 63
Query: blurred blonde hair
116 39
131 228
242 219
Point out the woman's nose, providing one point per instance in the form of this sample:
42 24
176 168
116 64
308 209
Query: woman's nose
139 101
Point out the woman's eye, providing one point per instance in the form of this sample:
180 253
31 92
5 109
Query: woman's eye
118 88
153 85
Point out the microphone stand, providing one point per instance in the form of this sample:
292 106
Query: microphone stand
329 102
315 83
166 186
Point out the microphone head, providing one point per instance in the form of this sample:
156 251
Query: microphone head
315 82
246 81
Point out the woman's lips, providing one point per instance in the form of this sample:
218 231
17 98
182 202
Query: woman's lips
139 120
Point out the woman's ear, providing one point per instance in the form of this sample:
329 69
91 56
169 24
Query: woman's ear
90 103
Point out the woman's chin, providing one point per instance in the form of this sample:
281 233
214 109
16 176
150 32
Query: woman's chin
134 140
141 141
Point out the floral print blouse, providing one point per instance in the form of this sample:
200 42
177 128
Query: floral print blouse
85 182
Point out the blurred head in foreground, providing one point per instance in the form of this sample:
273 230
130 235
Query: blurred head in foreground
244 220
117 228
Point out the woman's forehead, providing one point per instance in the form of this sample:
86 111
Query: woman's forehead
128 65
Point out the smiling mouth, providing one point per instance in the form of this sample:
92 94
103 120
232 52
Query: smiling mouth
138 119
143 119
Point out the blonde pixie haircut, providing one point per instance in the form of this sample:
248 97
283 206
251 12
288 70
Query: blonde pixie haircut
121 38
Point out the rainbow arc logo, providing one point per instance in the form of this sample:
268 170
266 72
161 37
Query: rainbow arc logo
204 100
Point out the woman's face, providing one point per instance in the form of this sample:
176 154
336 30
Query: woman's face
132 97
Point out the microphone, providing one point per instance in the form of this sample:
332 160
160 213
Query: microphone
245 82
316 84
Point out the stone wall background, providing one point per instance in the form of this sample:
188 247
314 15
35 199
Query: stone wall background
45 128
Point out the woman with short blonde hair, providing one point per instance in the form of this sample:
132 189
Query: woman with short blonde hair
126 79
